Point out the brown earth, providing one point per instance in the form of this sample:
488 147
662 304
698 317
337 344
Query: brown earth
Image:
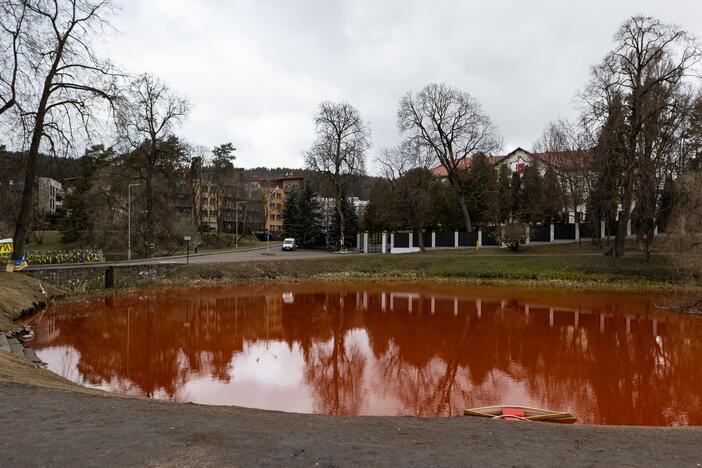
47 420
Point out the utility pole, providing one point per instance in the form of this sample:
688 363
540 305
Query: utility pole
129 219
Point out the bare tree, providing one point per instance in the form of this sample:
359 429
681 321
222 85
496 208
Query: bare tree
396 161
646 71
451 126
12 17
146 116
685 236
67 83
566 148
339 152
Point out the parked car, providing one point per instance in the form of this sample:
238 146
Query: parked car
289 244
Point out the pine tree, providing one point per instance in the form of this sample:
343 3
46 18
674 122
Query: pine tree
481 183
504 193
291 216
302 217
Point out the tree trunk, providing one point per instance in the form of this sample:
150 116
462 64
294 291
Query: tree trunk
25 214
421 240
149 214
620 237
466 215
22 226
342 224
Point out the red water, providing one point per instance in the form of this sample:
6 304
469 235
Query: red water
387 349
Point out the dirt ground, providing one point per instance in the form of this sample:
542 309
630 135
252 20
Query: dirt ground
62 428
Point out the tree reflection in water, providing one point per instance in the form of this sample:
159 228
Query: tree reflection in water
416 349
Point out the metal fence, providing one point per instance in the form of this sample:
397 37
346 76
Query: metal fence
540 233
564 231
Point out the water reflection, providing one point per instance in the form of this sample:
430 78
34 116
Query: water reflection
395 349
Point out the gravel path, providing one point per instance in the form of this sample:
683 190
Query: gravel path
40 426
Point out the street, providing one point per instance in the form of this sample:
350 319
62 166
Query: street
250 255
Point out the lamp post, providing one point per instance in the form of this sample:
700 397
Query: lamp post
268 221
129 219
236 236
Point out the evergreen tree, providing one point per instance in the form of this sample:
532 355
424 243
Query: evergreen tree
76 225
517 196
481 193
302 217
552 196
291 216
351 221
504 193
532 194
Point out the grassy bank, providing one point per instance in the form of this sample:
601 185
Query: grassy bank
533 268
20 294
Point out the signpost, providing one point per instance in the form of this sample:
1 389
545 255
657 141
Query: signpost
187 240
7 247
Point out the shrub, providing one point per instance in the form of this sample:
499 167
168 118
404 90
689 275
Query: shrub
512 235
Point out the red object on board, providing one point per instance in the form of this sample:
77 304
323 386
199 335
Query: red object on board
518 412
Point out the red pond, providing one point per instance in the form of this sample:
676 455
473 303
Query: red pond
386 349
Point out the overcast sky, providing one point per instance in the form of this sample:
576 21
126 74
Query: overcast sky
256 70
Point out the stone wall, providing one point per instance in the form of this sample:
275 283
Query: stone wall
85 278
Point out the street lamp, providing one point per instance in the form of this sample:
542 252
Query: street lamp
268 221
129 219
236 238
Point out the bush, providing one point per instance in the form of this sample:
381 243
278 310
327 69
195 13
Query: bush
512 235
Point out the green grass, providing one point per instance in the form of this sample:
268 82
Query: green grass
593 271
51 240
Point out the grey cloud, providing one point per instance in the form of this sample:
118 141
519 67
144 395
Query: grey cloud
255 71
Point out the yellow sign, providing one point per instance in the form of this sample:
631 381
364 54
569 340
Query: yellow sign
7 247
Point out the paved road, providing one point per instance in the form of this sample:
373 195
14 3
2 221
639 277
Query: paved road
275 253
249 255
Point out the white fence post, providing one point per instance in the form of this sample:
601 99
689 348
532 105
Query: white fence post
502 242
392 241
358 242
628 228
480 239
577 232
553 233
411 239
433 239
655 231
365 242
527 228
602 229
455 239
384 242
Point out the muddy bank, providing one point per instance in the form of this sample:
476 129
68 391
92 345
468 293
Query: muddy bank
66 429
23 295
